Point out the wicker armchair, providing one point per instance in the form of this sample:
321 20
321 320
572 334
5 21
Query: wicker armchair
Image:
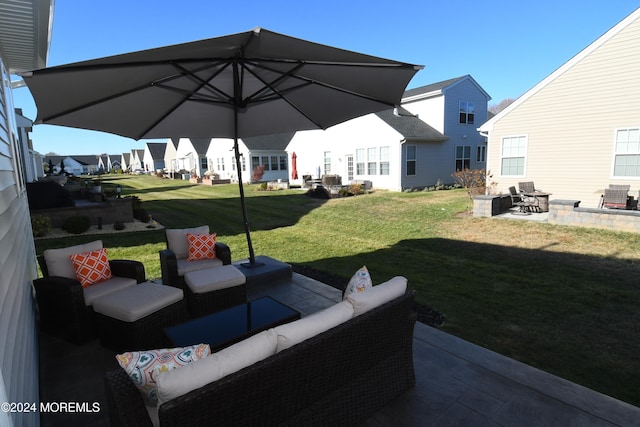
65 307
615 198
173 263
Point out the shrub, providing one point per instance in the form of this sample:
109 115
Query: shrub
258 173
77 224
356 189
41 225
119 226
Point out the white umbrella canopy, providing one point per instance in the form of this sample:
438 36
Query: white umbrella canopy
247 84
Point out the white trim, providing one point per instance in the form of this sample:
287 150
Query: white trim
614 153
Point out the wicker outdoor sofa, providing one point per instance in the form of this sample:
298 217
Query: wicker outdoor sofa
338 377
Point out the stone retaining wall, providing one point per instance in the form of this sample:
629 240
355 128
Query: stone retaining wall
569 212
565 212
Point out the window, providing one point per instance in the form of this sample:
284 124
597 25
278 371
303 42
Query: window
384 160
283 163
255 162
204 163
327 162
412 159
220 161
513 154
627 153
463 157
467 112
371 161
360 161
481 154
265 163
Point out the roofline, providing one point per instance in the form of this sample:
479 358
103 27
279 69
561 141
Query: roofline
488 125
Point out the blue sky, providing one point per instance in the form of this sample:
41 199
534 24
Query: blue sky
507 46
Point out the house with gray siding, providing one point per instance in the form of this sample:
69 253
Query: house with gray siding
419 144
24 44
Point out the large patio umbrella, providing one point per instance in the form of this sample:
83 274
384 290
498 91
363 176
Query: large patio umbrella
247 84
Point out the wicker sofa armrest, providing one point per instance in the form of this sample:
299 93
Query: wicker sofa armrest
60 304
126 407
128 268
169 268
223 252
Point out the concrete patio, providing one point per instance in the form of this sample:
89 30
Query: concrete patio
457 383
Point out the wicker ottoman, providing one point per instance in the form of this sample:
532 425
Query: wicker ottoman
214 289
133 319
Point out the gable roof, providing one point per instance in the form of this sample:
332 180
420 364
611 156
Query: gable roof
488 125
277 142
410 126
201 145
439 88
157 149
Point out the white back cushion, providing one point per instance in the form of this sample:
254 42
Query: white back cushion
177 239
180 381
59 263
378 295
293 333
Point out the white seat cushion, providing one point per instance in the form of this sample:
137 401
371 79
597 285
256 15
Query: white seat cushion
185 266
293 333
213 279
137 302
201 372
177 239
378 295
101 289
58 261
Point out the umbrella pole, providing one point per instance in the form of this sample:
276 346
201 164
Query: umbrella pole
245 216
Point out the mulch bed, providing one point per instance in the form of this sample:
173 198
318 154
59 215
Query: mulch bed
427 315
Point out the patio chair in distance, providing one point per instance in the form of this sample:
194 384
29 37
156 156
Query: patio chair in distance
615 198
518 200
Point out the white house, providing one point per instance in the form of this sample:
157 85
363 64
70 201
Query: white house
267 152
170 151
125 159
153 158
191 156
136 161
578 130
419 144
31 160
25 32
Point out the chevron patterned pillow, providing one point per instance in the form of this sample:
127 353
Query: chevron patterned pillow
91 267
201 246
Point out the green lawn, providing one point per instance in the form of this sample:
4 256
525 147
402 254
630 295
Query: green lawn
562 299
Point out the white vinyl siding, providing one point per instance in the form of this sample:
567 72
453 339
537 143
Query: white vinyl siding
18 329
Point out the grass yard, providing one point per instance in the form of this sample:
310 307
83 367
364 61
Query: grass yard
562 299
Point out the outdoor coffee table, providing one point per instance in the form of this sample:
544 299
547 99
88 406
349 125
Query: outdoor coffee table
232 325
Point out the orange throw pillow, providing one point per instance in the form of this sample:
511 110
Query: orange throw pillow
201 246
91 267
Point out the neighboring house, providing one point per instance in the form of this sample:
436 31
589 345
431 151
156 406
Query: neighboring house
170 151
104 163
153 158
125 162
137 160
191 156
90 163
578 130
267 151
419 144
24 44
30 160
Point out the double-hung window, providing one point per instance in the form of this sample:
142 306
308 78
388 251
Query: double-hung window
513 154
371 161
327 162
360 159
627 153
384 160
463 157
467 112
412 159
